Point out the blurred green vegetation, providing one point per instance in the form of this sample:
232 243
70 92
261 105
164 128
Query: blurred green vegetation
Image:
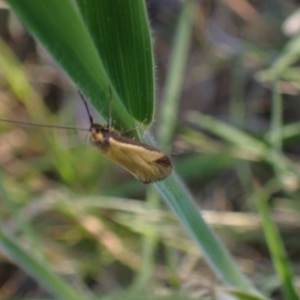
91 223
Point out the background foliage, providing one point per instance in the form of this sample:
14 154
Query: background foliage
238 67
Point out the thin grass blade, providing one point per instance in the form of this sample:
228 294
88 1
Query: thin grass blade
275 246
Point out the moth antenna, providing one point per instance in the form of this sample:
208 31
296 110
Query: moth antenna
110 108
43 125
87 108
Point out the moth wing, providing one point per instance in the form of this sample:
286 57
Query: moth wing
144 162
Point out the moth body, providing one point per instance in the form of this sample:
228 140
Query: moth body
146 163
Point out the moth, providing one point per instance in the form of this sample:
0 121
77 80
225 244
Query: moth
144 162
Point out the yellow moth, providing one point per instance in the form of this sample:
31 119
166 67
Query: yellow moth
144 162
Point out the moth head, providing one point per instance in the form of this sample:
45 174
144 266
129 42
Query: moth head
98 135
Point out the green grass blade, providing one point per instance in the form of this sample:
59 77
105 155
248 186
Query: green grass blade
241 295
229 133
59 28
237 89
276 121
121 34
288 131
16 78
149 245
275 246
288 56
276 137
245 141
23 225
216 255
39 270
171 97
